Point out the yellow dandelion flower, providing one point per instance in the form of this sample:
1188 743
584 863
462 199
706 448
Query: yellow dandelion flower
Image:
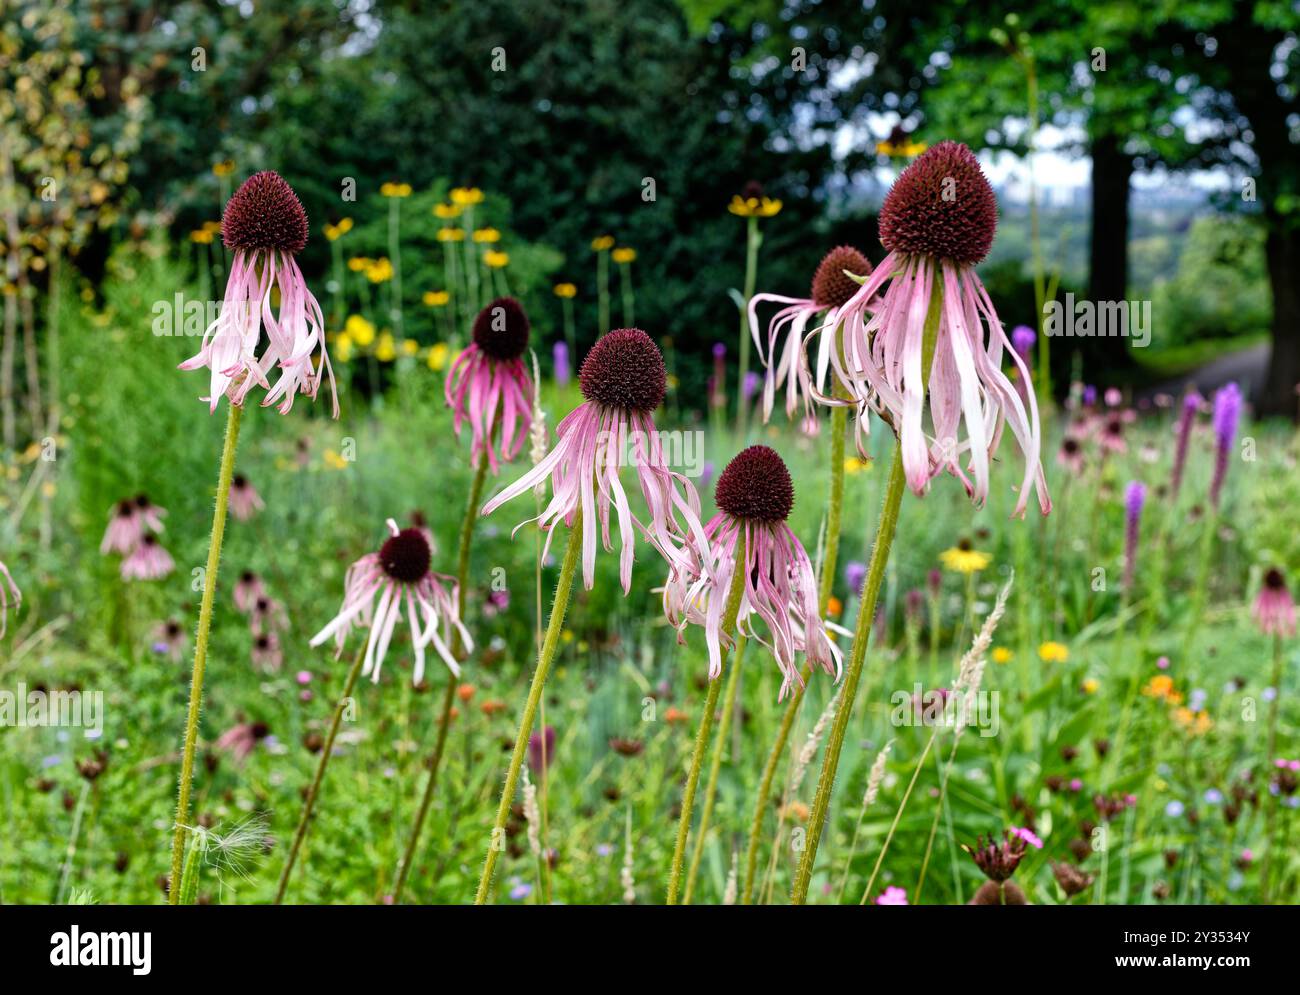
380 271
466 196
1090 685
565 290
334 461
410 347
1002 655
438 356
334 232
446 211
201 236
395 190
964 560
386 348
359 264
1050 652
451 234
487 235
223 168
212 226
343 346
436 298
602 243
496 260
361 331
853 465
623 254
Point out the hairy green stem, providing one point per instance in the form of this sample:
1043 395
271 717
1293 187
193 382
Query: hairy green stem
729 616
563 589
309 803
224 476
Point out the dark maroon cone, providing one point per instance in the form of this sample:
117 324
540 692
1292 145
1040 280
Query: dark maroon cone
406 557
830 287
926 215
624 370
501 329
264 213
756 485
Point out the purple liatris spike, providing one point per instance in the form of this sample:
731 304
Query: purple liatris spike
1135 496
855 575
1022 340
1191 403
541 750
560 356
1227 412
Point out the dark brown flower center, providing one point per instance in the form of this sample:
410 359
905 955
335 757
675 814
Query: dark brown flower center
624 370
941 206
405 557
756 485
830 286
264 213
501 329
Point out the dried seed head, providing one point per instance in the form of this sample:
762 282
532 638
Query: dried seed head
756 485
264 213
941 206
501 329
406 557
624 370
830 287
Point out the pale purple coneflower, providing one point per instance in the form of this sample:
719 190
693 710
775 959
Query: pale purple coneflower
1186 419
240 740
9 594
1135 495
623 380
245 502
489 386
148 561
169 640
248 589
1274 609
267 615
1070 455
1113 397
832 288
1227 412
937 222
754 498
1110 434
266 652
265 226
376 589
128 522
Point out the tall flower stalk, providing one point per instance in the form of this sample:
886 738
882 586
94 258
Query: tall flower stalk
752 206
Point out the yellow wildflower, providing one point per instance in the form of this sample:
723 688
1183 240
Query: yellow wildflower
334 461
1160 686
438 355
343 346
1002 655
623 254
964 560
386 348
904 149
754 207
465 196
395 190
854 465
410 347
358 264
333 232
361 331
446 211
451 234
602 243
223 168
566 290
380 271
212 226
1090 685
488 235
201 236
496 260
436 298
1050 652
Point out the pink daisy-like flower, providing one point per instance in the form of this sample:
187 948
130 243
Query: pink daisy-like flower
248 589
245 502
623 380
832 288
8 593
754 498
128 522
265 226
488 384
242 739
1070 455
893 895
378 586
266 652
169 640
267 615
1274 609
937 222
148 561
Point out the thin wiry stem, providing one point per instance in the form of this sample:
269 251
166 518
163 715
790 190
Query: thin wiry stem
563 589
729 616
224 476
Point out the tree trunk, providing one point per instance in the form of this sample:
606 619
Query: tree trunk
1278 396
1108 248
